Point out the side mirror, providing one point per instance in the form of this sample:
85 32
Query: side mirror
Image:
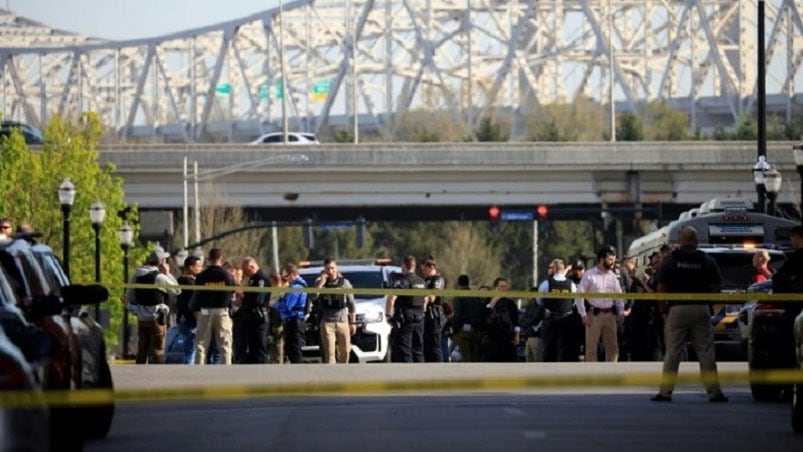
78 294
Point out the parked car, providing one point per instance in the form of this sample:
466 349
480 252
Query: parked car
95 371
51 307
31 134
797 398
302 138
20 428
370 343
771 343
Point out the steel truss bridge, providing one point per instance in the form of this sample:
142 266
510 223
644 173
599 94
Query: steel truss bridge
340 64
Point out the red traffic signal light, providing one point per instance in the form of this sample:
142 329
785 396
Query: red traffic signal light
493 216
542 211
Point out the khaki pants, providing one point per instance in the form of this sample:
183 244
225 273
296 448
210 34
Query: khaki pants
335 341
215 322
534 350
693 321
602 325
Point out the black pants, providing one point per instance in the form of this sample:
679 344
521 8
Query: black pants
294 329
433 352
560 343
251 341
408 337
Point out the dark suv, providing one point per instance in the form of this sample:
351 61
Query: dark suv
30 134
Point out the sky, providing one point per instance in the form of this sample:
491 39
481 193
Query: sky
132 19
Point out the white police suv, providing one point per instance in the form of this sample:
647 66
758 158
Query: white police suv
370 343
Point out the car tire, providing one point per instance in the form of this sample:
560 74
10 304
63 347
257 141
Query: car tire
797 409
100 417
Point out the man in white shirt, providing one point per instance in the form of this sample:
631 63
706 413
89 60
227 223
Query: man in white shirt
604 313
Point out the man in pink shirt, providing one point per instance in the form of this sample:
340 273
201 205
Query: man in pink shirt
604 314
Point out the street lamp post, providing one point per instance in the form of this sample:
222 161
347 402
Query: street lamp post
772 181
97 213
759 169
199 176
798 153
66 198
126 236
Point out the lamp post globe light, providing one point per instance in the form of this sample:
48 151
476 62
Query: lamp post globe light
126 236
772 181
759 169
798 153
97 213
66 199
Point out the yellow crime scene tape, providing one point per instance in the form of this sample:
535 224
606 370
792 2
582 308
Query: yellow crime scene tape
27 399
451 293
23 399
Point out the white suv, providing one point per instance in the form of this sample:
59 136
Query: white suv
302 138
370 343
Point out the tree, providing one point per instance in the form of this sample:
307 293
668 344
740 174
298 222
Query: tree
629 128
425 126
30 182
662 123
489 130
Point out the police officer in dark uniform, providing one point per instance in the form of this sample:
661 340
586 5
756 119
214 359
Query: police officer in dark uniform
689 270
789 279
406 314
434 315
212 309
558 331
252 318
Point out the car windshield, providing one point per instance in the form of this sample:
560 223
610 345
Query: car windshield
737 268
359 280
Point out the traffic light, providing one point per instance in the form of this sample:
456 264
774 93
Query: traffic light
493 216
309 240
360 231
543 226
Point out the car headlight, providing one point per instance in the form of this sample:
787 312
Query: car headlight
371 317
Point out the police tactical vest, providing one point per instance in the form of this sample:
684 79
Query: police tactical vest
330 300
559 304
688 273
148 297
410 281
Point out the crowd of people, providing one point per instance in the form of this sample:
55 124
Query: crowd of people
238 325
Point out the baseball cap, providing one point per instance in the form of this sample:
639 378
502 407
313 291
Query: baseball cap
579 264
157 256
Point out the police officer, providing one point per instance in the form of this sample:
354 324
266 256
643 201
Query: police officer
558 331
406 314
338 315
212 309
434 315
689 270
252 318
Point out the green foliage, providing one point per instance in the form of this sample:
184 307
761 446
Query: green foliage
489 130
582 120
629 128
30 182
662 123
423 126
745 129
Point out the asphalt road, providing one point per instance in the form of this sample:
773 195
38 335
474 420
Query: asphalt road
544 419
503 422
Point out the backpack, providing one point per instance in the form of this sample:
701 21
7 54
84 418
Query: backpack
500 324
148 297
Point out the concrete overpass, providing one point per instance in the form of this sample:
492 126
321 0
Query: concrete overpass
295 180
